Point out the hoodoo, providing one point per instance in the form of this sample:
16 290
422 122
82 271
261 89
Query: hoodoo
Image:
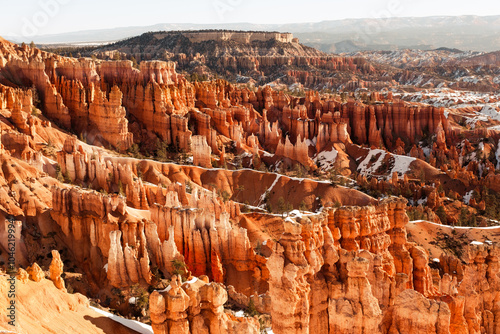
134 180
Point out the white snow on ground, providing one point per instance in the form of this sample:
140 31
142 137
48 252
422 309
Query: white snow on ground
296 213
422 201
401 165
194 280
456 227
311 142
472 79
488 113
326 159
269 331
106 267
468 197
263 196
239 314
477 243
268 155
491 112
132 300
363 166
445 97
427 150
167 289
137 326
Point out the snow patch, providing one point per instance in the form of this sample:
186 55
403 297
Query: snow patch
377 154
376 157
296 213
167 289
422 201
137 326
468 197
455 227
311 142
239 314
326 159
263 196
491 112
268 155
192 281
401 165
476 243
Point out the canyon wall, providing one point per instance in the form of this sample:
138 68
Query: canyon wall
238 36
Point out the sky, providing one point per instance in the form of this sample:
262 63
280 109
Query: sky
41 17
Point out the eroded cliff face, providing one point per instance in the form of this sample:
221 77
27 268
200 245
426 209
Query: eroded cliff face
122 243
114 104
353 271
340 264
195 306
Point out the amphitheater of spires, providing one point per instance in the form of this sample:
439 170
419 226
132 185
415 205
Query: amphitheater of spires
214 197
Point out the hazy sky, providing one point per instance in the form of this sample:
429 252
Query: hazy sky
39 17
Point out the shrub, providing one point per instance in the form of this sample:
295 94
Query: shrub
441 214
180 268
59 174
251 310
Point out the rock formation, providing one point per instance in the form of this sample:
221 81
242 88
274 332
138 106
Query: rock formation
201 152
315 239
35 273
56 269
195 307
413 313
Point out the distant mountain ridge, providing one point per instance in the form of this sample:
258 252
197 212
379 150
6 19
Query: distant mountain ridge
478 33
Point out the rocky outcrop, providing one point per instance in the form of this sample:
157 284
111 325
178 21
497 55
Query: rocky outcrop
480 279
358 311
94 98
56 269
35 273
195 307
202 236
108 115
237 36
22 275
298 152
413 313
44 309
33 73
350 278
201 152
